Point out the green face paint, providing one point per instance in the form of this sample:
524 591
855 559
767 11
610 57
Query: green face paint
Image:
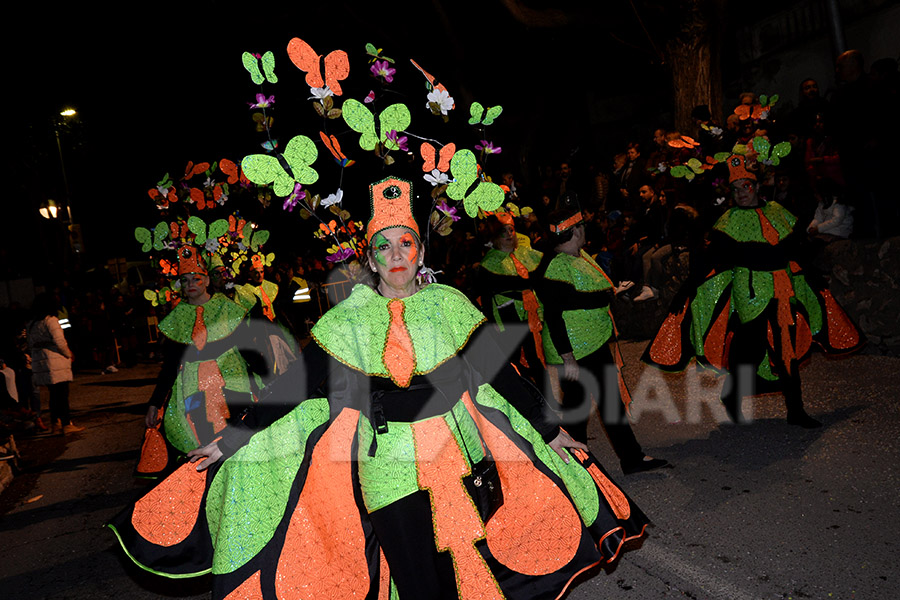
377 242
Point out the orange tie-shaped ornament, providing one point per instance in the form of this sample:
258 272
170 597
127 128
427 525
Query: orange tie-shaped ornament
520 268
399 355
268 311
768 230
198 334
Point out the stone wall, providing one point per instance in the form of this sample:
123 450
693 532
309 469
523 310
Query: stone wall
864 276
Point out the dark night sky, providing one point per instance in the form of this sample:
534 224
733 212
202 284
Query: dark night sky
161 83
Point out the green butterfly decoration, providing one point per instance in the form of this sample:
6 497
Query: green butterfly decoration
376 54
361 120
768 154
768 101
157 298
694 167
152 239
198 227
299 154
251 63
480 116
486 196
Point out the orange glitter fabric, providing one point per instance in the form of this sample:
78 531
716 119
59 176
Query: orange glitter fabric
784 291
154 455
613 495
715 346
324 547
535 325
768 230
390 212
211 383
399 354
666 348
536 530
268 311
521 270
249 590
168 513
198 333
842 333
384 582
457 524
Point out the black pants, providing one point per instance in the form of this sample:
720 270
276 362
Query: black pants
405 531
59 402
598 378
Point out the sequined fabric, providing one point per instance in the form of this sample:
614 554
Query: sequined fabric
399 355
168 513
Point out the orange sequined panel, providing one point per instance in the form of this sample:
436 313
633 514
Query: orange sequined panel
399 354
532 309
154 454
842 333
457 525
768 230
611 492
537 530
198 333
324 547
784 291
384 582
268 311
249 590
665 349
211 383
714 346
167 514
521 270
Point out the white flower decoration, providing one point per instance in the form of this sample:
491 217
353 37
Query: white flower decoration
334 198
212 244
320 93
436 178
442 98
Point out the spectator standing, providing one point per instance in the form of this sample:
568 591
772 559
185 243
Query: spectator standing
51 361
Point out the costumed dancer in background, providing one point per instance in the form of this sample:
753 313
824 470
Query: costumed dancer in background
205 379
749 309
579 339
375 490
505 286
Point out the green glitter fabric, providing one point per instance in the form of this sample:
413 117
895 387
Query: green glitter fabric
248 295
264 471
439 319
743 225
501 263
588 329
221 316
581 271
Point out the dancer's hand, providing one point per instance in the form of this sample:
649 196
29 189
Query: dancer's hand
570 367
210 451
152 417
564 440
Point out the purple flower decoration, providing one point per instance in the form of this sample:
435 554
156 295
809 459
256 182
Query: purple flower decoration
401 141
262 101
488 147
294 198
383 69
340 255
450 211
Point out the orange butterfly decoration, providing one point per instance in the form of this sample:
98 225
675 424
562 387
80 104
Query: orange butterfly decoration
746 111
233 171
330 228
168 267
431 79
337 65
334 147
684 142
178 231
434 159
193 169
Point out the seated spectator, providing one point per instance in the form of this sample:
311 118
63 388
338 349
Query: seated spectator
833 219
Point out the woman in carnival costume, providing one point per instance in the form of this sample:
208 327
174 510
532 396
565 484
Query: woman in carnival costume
505 286
205 379
579 339
750 309
389 486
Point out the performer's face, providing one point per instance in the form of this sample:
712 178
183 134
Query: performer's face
506 239
745 193
194 285
396 256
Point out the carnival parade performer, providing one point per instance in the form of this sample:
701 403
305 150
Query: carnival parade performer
579 338
749 309
426 470
505 285
206 378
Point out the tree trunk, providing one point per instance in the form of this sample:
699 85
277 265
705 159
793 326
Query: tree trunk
693 57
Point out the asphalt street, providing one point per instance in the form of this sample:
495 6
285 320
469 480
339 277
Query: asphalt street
758 511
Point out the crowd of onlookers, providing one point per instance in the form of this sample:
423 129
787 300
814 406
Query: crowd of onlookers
638 217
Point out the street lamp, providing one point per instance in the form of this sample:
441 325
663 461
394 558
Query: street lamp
48 209
66 112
